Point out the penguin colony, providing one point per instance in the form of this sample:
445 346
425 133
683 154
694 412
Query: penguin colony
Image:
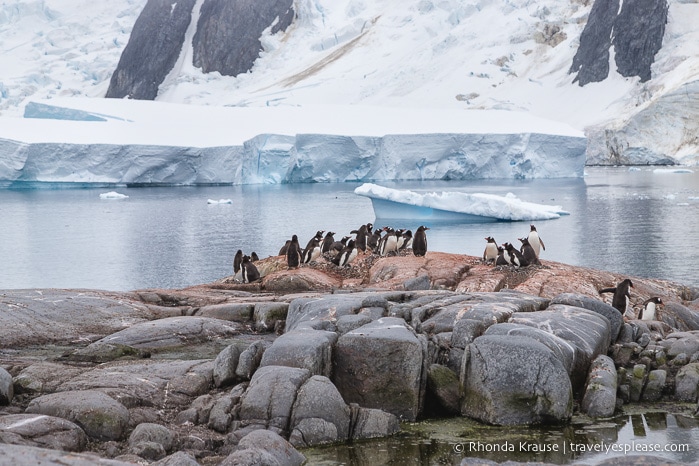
389 241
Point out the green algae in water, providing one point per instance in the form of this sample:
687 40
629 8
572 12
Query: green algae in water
448 441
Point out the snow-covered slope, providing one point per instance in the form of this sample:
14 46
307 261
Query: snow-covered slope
441 54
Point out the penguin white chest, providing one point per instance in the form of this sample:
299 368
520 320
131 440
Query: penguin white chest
649 312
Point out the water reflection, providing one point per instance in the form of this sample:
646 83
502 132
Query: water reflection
448 441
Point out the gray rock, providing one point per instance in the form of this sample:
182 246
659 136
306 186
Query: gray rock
595 305
443 387
148 450
326 308
44 377
636 380
372 423
99 415
104 352
626 333
250 359
236 312
266 315
221 413
270 397
515 380
225 365
149 432
465 331
319 415
198 411
7 391
264 448
306 349
172 332
418 283
179 458
679 317
601 387
687 383
350 322
25 455
380 365
655 385
687 345
44 431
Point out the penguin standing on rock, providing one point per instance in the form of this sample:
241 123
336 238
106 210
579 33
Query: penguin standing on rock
491 250
237 261
536 242
327 242
621 297
528 252
282 251
407 240
338 246
420 241
372 242
347 255
516 258
312 251
250 272
362 233
293 253
649 308
501 260
389 242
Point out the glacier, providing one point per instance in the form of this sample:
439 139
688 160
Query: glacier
137 143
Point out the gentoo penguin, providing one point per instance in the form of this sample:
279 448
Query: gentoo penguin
293 253
282 251
327 242
501 257
237 261
361 238
338 246
347 255
528 252
250 272
506 254
516 258
621 295
491 250
254 257
372 242
312 251
407 240
535 241
649 308
389 243
420 241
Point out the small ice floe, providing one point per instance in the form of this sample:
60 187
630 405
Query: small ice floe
113 195
454 206
220 201
634 169
673 170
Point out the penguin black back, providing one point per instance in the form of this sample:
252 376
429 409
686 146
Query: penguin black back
420 241
293 253
327 242
361 238
250 272
528 252
621 294
347 254
282 251
516 257
237 261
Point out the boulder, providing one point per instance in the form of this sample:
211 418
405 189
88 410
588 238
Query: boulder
264 447
599 399
511 380
380 365
225 365
595 305
679 317
372 423
443 387
99 415
269 399
653 390
44 377
326 308
266 315
149 432
179 458
236 312
249 360
319 415
687 383
7 391
298 280
306 349
44 431
25 455
352 321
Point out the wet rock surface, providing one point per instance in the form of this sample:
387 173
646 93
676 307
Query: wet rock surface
186 376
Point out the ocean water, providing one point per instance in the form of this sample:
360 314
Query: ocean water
636 222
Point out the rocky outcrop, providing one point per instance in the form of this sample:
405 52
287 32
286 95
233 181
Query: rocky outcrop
601 387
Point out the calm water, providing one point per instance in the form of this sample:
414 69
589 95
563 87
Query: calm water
633 222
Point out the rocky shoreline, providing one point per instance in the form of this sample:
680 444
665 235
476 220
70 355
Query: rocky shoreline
231 373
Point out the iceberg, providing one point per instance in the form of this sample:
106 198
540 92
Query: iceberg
113 195
220 201
453 206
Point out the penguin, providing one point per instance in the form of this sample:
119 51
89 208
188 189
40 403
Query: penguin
536 242
250 272
516 258
347 255
490 254
361 238
621 295
327 242
506 254
338 246
420 241
528 252
649 307
293 253
237 261
407 240
282 251
254 257
390 242
312 251
372 242
501 257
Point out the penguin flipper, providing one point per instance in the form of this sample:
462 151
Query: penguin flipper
640 314
607 290
541 242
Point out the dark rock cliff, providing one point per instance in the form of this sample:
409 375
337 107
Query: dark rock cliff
636 32
228 32
153 49
227 40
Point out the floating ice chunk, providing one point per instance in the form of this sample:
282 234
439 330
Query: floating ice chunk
220 201
454 206
673 170
113 195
